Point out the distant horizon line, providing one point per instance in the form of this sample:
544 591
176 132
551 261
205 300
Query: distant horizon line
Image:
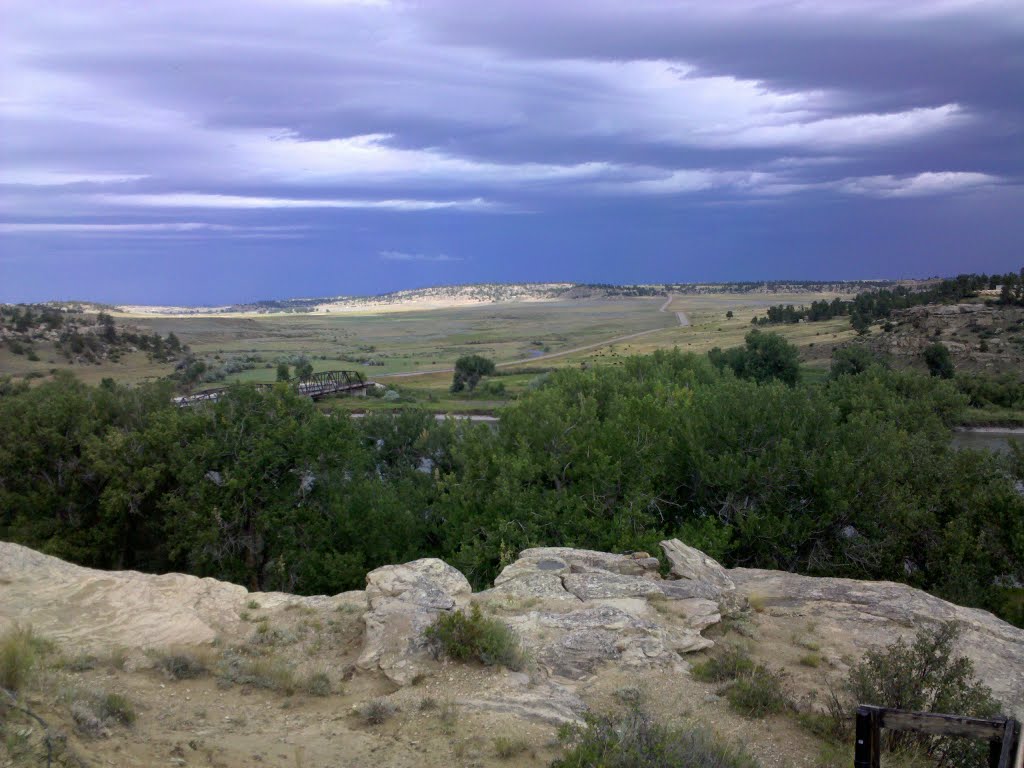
568 283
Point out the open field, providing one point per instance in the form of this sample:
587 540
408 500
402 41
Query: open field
519 335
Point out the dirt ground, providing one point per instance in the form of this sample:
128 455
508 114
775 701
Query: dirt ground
211 721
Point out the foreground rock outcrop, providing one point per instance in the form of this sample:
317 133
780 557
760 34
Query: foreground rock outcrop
403 601
577 612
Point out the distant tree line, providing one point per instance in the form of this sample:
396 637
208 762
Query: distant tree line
873 306
855 477
75 334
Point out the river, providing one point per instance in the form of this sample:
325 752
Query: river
991 438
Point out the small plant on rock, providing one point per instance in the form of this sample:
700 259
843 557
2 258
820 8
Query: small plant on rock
473 636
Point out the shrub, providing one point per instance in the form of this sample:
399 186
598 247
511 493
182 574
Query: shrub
753 689
939 361
316 684
92 711
20 649
505 747
758 693
181 665
469 369
116 707
923 676
271 673
377 711
473 636
728 664
634 740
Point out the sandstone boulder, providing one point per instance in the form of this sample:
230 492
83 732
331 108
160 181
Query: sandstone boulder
592 608
403 601
702 572
853 616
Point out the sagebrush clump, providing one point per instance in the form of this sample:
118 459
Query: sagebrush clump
635 740
924 676
752 689
475 637
20 650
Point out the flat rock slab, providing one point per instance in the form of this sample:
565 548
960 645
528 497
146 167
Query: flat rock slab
860 615
93 610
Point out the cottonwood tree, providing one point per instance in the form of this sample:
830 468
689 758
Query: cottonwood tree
469 369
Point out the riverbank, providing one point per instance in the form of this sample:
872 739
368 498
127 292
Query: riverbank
993 418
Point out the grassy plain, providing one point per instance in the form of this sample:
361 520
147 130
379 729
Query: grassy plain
520 336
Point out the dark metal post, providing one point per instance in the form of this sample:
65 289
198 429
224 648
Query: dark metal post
867 750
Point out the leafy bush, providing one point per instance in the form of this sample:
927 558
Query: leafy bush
476 637
469 369
727 664
758 693
923 676
764 357
753 690
938 360
853 359
635 740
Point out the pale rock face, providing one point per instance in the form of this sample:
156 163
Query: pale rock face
544 702
693 567
404 600
91 610
854 616
561 560
595 608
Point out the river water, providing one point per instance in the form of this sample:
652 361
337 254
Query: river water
990 438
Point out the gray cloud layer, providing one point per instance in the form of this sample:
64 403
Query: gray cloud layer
109 110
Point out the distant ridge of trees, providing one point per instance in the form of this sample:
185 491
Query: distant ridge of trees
497 292
27 329
871 306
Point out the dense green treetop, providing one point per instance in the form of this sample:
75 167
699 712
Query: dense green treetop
854 477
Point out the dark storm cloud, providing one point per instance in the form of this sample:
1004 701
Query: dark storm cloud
192 120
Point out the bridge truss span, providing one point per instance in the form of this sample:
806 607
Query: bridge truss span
318 385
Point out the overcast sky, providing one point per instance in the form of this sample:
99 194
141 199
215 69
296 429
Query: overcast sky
217 151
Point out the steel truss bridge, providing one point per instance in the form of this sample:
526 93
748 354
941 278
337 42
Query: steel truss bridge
316 386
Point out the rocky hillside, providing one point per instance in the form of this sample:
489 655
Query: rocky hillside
492 293
218 676
67 334
981 338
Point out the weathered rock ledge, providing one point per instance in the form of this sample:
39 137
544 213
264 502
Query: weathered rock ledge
576 611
